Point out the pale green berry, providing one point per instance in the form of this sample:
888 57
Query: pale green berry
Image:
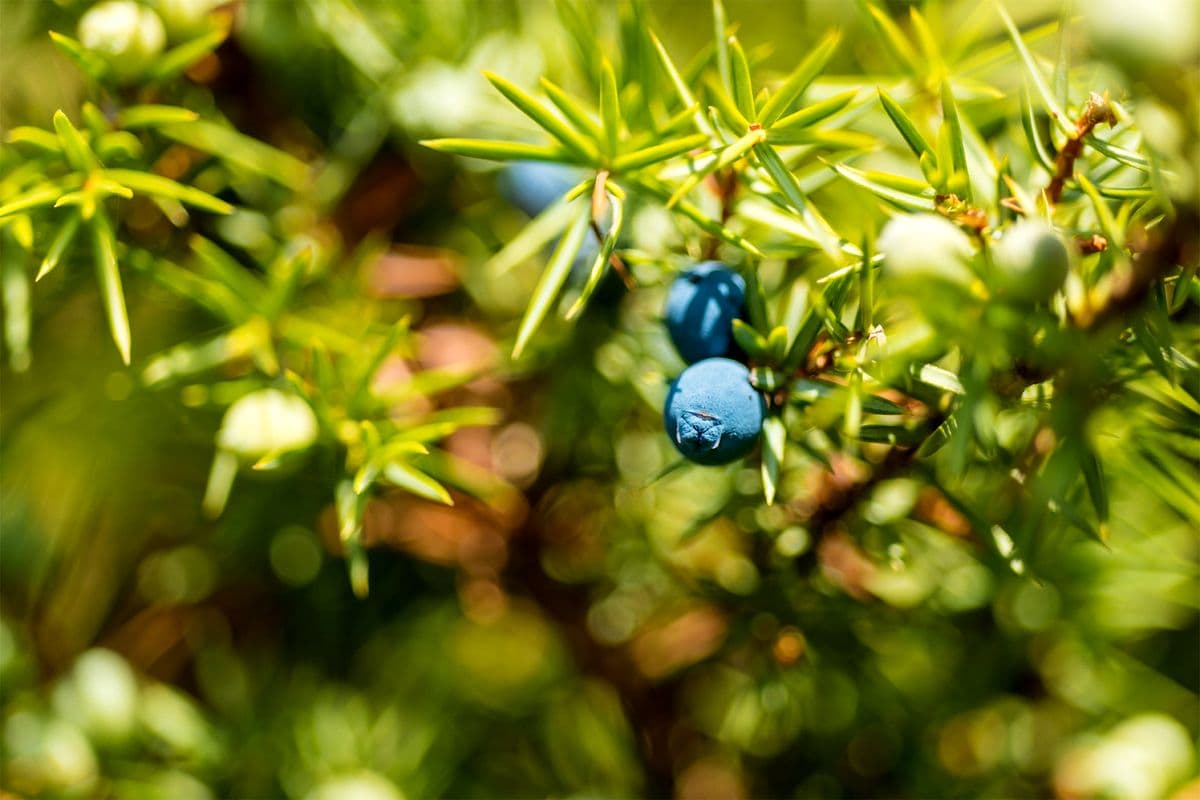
1154 33
925 247
100 695
1030 261
267 422
186 19
126 34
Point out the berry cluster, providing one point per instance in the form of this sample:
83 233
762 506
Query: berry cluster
713 413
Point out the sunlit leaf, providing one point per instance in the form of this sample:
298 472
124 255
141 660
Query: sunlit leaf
553 278
908 129
149 183
178 59
62 240
105 255
153 116
799 80
774 439
556 127
244 151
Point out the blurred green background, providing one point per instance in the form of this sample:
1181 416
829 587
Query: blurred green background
588 631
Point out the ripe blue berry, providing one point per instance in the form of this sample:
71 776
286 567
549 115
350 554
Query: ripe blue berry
712 413
701 307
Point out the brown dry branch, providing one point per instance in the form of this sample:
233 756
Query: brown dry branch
1096 111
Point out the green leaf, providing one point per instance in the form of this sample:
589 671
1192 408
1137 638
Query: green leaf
774 437
939 438
178 59
895 41
938 378
105 253
216 297
806 391
244 151
958 149
1032 137
89 62
568 136
1035 73
601 261
62 240
78 154
658 153
812 114
756 300
852 418
36 137
1126 157
799 80
610 108
1116 236
154 116
532 238
866 288
777 343
743 89
553 278
681 87
900 199
727 156
34 198
1093 475
691 212
727 107
753 343
220 481
190 358
575 113
362 392
579 19
499 151
14 287
721 37
929 49
814 319
889 434
157 185
223 267
826 237
908 129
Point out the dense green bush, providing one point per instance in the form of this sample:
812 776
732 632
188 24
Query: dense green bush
373 497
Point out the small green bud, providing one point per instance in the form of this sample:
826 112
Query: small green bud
127 35
1031 262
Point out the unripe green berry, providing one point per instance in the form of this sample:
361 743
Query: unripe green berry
925 247
126 34
267 422
1030 262
186 19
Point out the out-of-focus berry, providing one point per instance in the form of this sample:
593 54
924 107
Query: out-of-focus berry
1030 262
126 34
